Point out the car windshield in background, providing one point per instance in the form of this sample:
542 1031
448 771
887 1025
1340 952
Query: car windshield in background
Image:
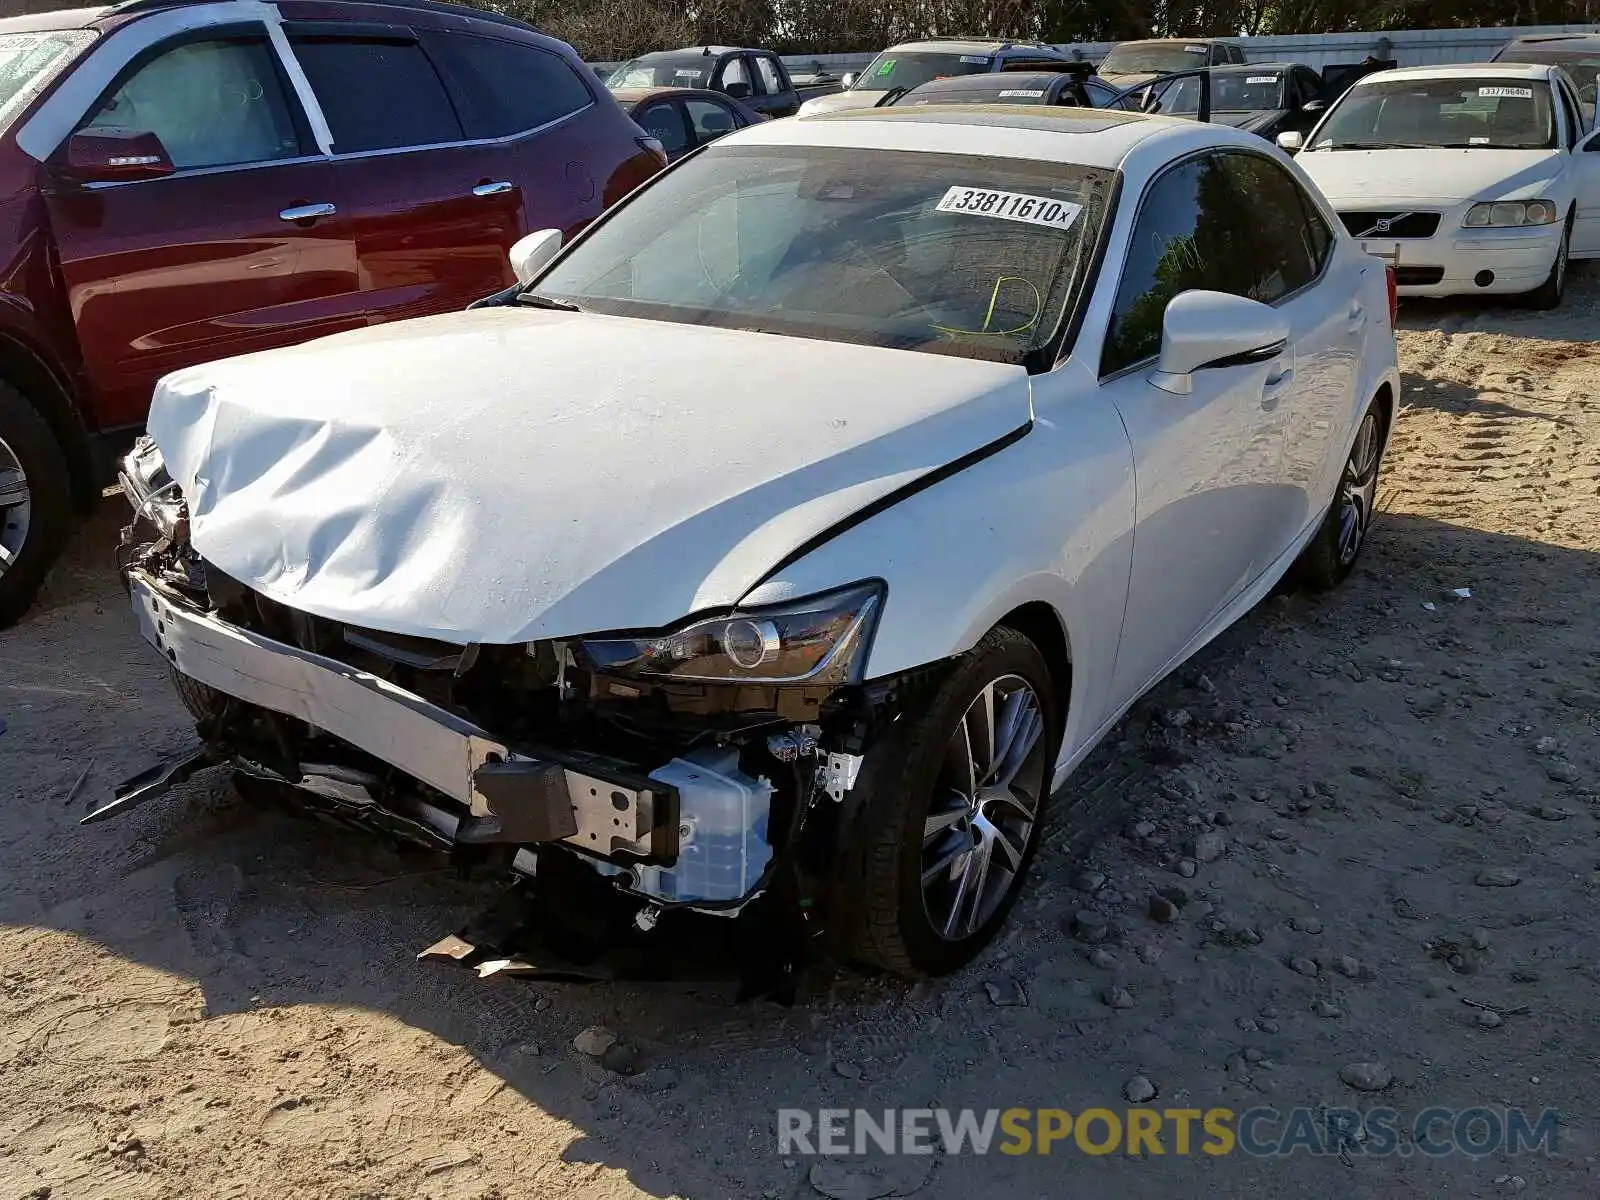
945 253
899 69
1583 66
1149 59
28 61
1490 114
1231 91
664 70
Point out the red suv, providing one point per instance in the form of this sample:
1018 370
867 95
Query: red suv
185 182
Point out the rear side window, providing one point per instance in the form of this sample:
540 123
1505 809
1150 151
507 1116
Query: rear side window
1185 236
1286 252
377 94
502 88
212 104
664 122
768 72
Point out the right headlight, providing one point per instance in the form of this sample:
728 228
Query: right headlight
819 640
152 492
1508 214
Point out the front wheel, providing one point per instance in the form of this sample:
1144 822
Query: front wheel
1331 555
1549 294
35 503
950 807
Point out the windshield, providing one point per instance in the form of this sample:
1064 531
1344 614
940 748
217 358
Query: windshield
942 253
664 70
1151 57
28 61
899 69
1231 91
1490 114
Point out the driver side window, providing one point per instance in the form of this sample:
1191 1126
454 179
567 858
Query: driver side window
1185 237
733 71
212 104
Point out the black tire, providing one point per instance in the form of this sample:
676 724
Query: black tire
883 913
1330 556
50 519
202 700
1549 294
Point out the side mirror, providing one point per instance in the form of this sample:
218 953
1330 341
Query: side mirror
848 79
1291 140
739 91
1203 331
116 155
1313 107
529 254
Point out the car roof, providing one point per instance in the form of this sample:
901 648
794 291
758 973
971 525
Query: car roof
1547 39
989 46
1494 70
67 18
694 52
1090 137
1174 41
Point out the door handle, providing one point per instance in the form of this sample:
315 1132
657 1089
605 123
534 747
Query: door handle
493 189
307 212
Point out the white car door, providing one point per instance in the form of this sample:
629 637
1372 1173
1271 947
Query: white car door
1586 169
1207 465
1322 296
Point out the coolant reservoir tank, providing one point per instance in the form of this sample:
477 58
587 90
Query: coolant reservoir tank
722 830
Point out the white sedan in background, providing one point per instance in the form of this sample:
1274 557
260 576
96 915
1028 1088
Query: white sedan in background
796 530
1470 179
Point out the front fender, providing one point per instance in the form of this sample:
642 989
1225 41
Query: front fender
1048 519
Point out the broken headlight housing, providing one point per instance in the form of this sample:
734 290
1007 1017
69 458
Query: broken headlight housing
818 640
152 492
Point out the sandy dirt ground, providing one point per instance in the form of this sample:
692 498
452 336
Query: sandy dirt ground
1380 807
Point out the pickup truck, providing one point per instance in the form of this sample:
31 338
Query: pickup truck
182 182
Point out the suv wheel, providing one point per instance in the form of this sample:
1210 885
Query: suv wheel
35 503
950 807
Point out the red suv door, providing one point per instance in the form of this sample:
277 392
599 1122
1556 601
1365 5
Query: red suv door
225 255
434 214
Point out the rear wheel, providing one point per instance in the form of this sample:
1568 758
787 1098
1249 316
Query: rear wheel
1331 555
951 804
35 503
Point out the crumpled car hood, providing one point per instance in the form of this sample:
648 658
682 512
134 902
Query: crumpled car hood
511 474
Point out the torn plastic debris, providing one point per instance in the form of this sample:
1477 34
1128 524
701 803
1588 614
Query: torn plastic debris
1461 593
599 940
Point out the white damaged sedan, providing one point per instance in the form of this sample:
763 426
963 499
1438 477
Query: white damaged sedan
793 533
1470 179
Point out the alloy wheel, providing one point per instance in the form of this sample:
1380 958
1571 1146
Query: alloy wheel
986 802
15 506
1358 490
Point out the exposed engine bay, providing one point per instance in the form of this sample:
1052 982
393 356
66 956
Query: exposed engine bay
548 761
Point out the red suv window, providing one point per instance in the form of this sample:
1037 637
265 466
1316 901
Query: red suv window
377 94
503 87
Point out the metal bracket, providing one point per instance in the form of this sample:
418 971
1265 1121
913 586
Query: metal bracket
837 774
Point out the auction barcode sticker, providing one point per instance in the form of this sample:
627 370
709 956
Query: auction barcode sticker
1010 206
1029 93
1505 93
1252 80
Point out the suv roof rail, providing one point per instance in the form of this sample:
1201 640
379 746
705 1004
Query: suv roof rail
439 6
